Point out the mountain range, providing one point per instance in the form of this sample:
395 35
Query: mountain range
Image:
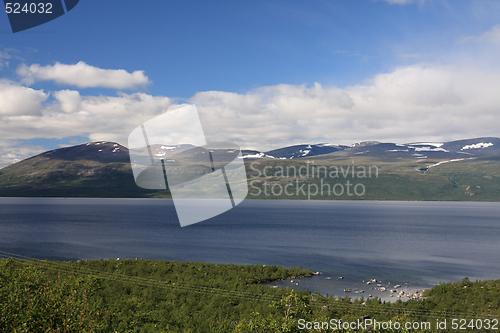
478 147
102 169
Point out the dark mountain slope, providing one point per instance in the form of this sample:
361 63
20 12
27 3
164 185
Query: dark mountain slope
97 169
304 151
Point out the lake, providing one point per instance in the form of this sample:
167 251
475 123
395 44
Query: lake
408 243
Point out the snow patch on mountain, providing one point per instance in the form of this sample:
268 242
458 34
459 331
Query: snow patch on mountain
428 149
435 144
478 145
454 160
259 155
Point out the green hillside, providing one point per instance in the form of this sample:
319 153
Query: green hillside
388 179
165 296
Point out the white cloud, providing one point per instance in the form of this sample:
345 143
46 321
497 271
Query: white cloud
4 57
26 114
490 36
82 75
19 100
70 100
409 104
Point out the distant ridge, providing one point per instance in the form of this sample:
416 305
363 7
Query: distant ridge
102 169
304 150
477 147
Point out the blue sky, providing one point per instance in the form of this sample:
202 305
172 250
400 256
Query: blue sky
263 73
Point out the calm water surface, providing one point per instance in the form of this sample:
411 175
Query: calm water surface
418 243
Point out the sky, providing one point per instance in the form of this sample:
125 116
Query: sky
262 74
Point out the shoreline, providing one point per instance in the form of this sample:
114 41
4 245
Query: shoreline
341 287
249 198
403 293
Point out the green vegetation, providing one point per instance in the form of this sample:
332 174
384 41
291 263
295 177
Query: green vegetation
30 301
468 180
164 296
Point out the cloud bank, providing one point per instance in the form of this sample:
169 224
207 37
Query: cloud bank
83 75
409 104
27 114
420 102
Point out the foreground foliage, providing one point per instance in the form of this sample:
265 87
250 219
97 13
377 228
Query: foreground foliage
164 296
30 302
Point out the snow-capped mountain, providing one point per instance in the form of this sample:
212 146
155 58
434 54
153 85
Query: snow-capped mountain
103 169
297 151
479 147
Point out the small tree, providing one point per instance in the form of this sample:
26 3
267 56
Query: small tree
293 306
